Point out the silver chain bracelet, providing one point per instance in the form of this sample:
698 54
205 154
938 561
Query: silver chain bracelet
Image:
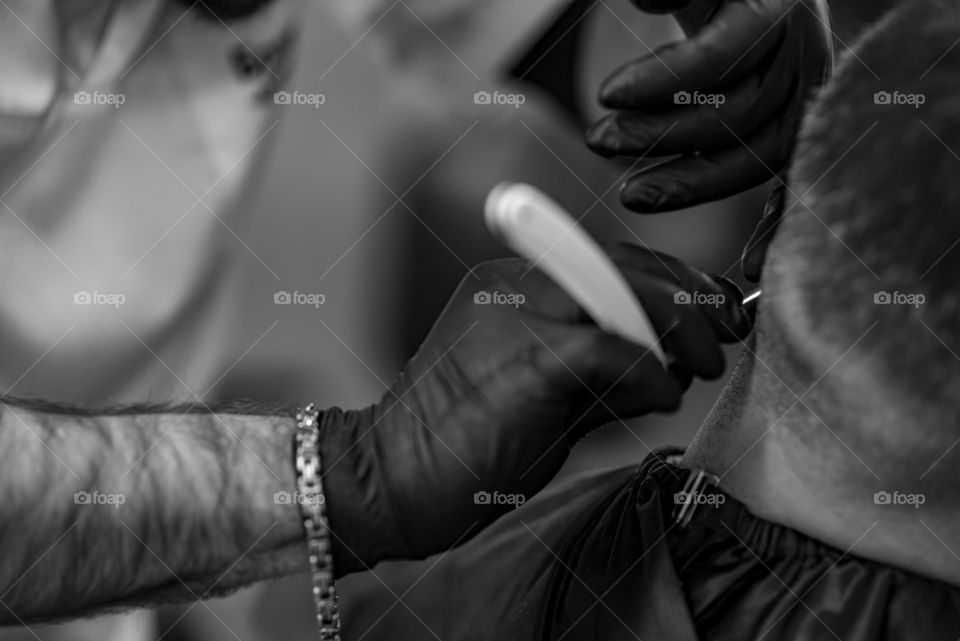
313 509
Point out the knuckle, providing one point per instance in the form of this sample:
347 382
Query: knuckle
675 191
640 129
559 363
582 348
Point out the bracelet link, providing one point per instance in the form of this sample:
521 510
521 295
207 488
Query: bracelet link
316 526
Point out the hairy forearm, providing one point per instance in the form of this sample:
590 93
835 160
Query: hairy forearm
173 505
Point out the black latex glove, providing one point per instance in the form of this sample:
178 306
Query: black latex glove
763 56
498 394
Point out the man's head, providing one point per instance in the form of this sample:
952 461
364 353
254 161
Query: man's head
861 315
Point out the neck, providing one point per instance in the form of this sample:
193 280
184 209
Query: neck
776 456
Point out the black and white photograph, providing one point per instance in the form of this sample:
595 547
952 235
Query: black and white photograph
479 320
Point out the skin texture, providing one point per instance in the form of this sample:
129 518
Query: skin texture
839 396
62 558
807 465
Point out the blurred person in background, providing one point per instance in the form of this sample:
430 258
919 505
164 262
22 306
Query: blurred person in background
129 136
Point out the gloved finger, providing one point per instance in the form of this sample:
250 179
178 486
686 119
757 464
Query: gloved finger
717 120
662 6
730 327
682 376
712 175
695 16
734 42
619 405
685 334
630 256
542 296
755 252
586 362
717 298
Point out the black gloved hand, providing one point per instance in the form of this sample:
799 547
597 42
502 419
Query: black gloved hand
506 383
764 57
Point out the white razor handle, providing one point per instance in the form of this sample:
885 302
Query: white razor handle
538 229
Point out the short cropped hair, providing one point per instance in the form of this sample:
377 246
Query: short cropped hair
872 232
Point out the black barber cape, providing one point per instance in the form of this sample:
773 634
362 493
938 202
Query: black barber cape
603 559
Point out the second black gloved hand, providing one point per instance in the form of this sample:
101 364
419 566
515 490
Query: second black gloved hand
728 100
513 373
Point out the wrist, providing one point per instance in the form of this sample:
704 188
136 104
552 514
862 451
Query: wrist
362 524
